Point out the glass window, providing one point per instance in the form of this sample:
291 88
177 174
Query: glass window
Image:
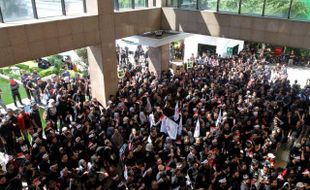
172 3
188 4
207 4
229 6
14 10
140 3
74 7
248 8
276 8
300 10
48 8
125 4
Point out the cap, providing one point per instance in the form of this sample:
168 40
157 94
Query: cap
223 180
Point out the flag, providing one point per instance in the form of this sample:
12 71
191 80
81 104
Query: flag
43 132
180 126
163 128
151 119
22 134
197 129
142 117
176 112
29 139
149 140
170 127
148 107
126 173
219 119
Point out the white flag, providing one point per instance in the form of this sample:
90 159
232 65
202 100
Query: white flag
180 126
219 119
170 127
148 107
176 112
126 173
151 119
142 117
149 140
197 129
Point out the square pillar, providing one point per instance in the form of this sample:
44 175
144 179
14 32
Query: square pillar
103 72
102 57
159 59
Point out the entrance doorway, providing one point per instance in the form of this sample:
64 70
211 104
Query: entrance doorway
208 49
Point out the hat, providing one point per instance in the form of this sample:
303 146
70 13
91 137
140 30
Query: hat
161 167
20 155
79 126
2 173
149 147
36 181
223 180
300 185
45 156
270 155
245 176
19 139
306 172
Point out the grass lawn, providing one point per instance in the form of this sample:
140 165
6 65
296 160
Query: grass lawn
6 91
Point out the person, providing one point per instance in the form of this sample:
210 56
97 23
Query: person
33 87
35 116
15 91
24 80
1 101
23 122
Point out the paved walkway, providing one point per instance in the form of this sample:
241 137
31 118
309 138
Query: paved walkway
26 103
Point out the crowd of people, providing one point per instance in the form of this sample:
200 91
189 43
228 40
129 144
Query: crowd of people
243 117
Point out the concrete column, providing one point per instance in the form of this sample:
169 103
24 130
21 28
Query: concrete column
102 57
103 72
159 59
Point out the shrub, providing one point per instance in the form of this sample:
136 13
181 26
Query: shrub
45 73
36 68
23 67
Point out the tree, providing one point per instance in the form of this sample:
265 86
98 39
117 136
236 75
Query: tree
82 53
57 62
